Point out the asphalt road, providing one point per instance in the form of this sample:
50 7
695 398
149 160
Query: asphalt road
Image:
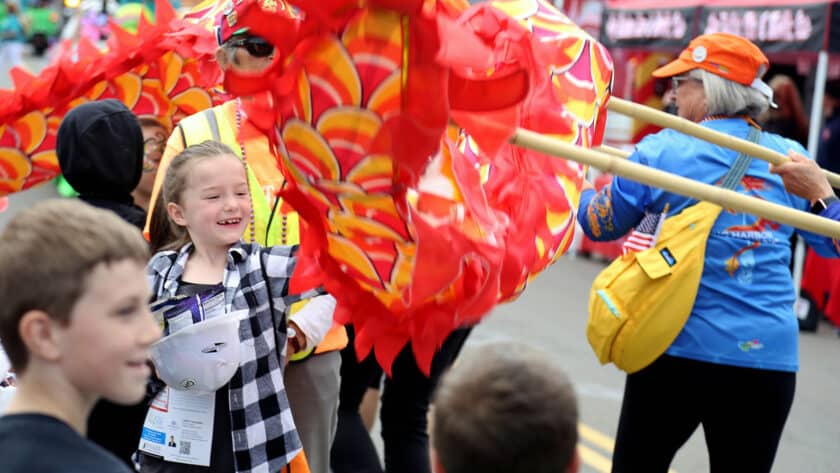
552 314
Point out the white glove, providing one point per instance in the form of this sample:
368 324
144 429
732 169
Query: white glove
315 318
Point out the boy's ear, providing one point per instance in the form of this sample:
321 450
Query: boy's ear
176 214
38 332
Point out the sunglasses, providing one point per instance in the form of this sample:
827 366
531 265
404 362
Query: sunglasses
152 152
676 80
256 47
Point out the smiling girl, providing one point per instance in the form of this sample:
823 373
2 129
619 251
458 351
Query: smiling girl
208 203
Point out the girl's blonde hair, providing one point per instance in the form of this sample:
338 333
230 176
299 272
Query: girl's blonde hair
175 181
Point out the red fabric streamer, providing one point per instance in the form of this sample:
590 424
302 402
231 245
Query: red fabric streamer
414 229
142 70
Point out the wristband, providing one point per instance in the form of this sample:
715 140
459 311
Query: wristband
822 204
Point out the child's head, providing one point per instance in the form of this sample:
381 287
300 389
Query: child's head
206 194
75 299
505 407
154 142
99 146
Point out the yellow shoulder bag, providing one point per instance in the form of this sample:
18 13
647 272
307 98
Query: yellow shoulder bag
641 301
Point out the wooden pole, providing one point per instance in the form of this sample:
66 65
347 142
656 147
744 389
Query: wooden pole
677 184
618 153
682 125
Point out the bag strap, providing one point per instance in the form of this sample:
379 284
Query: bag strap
742 163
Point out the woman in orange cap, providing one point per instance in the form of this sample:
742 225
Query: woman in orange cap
732 368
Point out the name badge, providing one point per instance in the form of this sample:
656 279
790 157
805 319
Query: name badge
179 427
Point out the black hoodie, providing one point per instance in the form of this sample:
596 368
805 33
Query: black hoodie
100 151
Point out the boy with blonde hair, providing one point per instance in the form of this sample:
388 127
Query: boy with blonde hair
76 327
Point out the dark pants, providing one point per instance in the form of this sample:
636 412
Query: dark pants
405 403
742 410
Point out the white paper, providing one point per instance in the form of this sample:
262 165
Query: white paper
5 364
179 427
6 395
180 321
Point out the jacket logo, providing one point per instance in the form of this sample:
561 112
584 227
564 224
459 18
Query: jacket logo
750 345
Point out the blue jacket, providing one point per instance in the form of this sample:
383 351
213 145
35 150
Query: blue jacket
743 314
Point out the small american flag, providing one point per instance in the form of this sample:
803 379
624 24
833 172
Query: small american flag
645 234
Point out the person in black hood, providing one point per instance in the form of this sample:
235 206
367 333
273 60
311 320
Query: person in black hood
100 151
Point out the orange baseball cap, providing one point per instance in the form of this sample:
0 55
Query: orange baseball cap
729 56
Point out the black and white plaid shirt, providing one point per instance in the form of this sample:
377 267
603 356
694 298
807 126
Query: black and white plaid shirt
264 435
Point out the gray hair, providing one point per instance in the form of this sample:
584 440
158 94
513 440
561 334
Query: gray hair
727 97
